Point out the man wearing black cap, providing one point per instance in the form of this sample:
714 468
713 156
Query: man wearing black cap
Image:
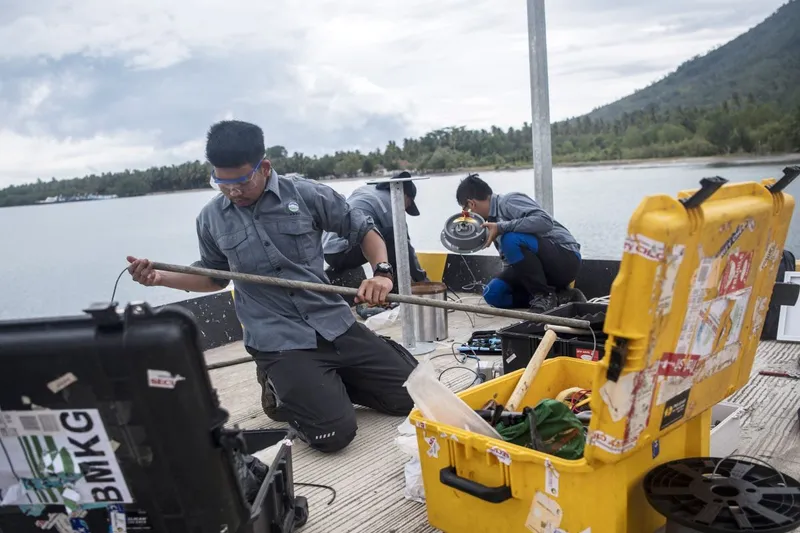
376 202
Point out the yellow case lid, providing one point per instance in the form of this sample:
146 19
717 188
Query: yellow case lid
686 310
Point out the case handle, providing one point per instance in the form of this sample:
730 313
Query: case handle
789 175
708 186
449 477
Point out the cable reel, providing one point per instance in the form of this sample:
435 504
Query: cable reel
463 234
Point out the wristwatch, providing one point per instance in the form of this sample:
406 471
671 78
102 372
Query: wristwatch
384 269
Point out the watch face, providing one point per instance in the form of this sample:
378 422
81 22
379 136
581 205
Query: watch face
383 267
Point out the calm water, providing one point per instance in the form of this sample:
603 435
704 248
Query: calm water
57 259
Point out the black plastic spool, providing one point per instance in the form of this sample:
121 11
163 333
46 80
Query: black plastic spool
740 496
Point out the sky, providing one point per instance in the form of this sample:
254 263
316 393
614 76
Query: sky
104 85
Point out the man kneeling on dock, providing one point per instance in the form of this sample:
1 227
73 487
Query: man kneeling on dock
542 257
313 359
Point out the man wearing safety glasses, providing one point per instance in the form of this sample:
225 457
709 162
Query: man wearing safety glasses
313 359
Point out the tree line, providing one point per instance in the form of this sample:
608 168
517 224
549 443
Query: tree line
740 125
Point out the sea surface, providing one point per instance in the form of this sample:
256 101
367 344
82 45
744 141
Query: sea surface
57 259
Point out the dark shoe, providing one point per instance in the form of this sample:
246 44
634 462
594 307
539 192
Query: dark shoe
268 402
569 296
543 302
365 310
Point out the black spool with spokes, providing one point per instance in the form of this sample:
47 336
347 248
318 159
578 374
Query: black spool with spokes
723 495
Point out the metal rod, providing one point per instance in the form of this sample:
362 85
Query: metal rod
401 253
540 106
348 291
566 330
232 362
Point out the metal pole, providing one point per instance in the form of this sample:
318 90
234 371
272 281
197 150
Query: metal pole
540 106
350 291
403 273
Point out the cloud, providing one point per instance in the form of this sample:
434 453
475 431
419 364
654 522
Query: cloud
105 85
41 157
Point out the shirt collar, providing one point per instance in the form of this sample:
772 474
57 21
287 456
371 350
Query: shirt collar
272 186
493 205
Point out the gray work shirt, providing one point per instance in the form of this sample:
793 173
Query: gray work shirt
280 236
374 203
518 212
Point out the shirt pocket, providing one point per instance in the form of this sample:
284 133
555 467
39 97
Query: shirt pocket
297 236
236 248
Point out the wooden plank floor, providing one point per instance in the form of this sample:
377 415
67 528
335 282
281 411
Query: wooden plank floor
368 475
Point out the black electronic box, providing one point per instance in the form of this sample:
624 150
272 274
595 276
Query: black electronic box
109 422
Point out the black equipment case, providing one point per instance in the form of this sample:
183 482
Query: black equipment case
108 422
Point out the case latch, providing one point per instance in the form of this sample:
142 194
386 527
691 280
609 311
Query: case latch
619 354
230 439
104 314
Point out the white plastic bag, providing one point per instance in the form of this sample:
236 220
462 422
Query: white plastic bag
414 489
408 445
383 320
440 404
406 428
268 455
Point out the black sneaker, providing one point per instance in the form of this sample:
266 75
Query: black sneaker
268 402
569 296
365 310
543 302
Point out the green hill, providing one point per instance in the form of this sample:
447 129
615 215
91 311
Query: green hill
762 65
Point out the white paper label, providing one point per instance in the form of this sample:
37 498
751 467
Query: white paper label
433 447
719 323
56 522
161 379
618 396
671 276
57 385
71 444
550 478
609 443
545 514
502 455
759 314
117 521
644 246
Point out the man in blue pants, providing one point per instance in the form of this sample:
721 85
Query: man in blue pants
542 257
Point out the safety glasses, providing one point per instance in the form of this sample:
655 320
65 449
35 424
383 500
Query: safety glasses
240 184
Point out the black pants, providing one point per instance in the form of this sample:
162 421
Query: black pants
354 258
315 389
536 266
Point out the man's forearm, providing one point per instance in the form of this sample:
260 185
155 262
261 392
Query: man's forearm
188 282
374 248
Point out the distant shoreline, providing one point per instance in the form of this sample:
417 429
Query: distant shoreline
722 161
731 160
719 161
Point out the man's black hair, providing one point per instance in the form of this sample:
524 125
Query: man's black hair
472 188
233 143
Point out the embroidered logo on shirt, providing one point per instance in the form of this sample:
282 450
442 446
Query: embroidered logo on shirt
293 207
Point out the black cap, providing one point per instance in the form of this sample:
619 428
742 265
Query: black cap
408 188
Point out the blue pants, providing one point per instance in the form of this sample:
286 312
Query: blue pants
535 265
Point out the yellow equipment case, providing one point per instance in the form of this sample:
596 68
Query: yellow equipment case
683 324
